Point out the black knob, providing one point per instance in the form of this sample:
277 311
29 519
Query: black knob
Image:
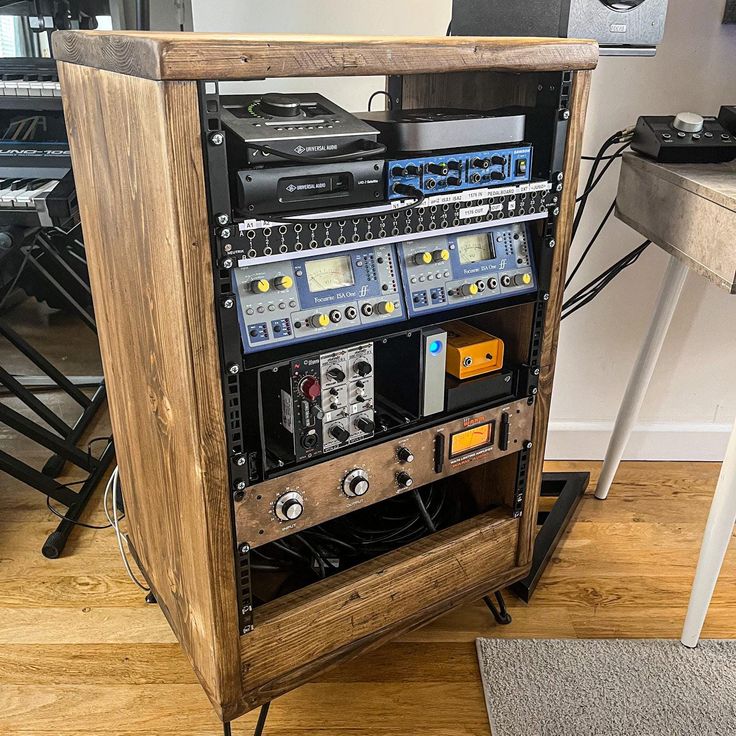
480 163
405 455
497 175
440 169
336 374
292 509
363 368
404 480
281 106
365 425
339 433
498 160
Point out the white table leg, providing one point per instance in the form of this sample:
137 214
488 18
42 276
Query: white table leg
641 375
718 530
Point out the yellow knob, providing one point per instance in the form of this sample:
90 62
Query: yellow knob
319 320
385 307
527 278
473 289
283 282
469 289
423 258
441 255
261 286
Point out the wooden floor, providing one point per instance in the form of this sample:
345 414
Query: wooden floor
81 653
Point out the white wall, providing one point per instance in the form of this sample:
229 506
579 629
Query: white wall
692 400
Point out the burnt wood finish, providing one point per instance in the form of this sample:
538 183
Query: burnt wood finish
375 601
177 56
139 174
321 485
136 148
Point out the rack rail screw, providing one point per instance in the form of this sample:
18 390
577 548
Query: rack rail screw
247 629
233 368
534 391
545 296
245 548
246 609
240 485
225 233
240 461
217 138
528 445
228 303
556 211
227 263
552 243
565 114
222 219
535 371
560 176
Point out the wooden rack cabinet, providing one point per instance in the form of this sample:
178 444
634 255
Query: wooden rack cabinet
132 109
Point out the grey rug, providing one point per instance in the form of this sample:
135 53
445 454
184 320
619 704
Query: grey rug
609 687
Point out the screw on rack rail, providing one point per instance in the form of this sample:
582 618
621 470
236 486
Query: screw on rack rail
227 263
217 138
233 369
240 485
222 219
228 302
545 296
552 243
244 548
527 445
535 371
565 114
240 460
224 232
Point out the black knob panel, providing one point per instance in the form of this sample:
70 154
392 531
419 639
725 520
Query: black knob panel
404 480
405 455
363 368
364 424
336 374
339 433
280 106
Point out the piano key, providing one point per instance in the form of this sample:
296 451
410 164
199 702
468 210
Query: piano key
5 183
32 190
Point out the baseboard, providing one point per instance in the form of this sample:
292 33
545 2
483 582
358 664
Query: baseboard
654 441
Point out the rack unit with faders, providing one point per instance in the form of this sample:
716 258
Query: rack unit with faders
233 459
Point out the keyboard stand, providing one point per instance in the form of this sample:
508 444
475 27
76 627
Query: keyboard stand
52 432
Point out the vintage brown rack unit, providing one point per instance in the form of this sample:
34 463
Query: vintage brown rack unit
238 434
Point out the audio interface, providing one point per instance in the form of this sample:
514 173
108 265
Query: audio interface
456 171
466 268
308 298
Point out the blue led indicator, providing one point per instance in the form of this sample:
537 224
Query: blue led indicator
435 347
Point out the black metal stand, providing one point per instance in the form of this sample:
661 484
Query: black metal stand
569 489
500 614
54 270
262 716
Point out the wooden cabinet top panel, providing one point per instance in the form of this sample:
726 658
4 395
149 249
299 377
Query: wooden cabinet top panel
215 56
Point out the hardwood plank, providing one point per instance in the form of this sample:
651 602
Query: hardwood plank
137 142
180 56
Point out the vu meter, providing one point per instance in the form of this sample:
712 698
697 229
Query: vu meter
464 268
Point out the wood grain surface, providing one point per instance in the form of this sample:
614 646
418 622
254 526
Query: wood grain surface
321 485
81 654
188 56
688 211
139 176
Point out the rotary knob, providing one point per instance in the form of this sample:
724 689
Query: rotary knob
260 286
336 374
404 480
290 506
385 307
468 289
356 483
363 368
405 455
283 282
364 424
688 122
442 254
319 320
423 258
281 106
339 433
310 388
522 279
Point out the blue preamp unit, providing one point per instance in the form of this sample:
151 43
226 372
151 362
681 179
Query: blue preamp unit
455 171
461 269
308 298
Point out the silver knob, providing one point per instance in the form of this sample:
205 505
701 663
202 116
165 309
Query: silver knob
355 483
290 506
688 122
